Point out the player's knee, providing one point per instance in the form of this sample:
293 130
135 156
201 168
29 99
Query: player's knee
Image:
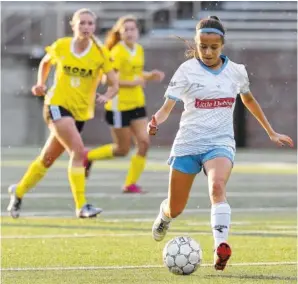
143 146
217 189
121 151
78 152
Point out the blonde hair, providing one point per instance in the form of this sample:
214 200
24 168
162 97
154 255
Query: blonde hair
76 17
113 35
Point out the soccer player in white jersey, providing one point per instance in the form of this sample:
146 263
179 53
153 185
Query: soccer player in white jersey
207 84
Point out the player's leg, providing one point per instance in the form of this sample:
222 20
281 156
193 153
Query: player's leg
36 171
218 165
182 174
66 131
121 136
137 163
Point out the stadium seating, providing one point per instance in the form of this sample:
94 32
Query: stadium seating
25 27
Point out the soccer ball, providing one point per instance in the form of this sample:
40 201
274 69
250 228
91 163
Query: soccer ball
182 255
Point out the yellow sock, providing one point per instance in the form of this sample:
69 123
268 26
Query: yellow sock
34 174
100 153
136 168
76 178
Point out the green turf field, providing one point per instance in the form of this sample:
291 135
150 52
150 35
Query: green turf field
48 245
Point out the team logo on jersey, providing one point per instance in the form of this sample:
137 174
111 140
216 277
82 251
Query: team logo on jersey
196 87
75 71
214 103
199 86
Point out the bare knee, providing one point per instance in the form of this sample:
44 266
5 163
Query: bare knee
217 190
121 150
143 146
77 153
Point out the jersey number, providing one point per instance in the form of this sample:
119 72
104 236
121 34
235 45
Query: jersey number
75 82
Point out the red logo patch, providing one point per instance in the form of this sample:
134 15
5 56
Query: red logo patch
214 103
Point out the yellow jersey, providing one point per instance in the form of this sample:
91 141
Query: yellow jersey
130 65
76 77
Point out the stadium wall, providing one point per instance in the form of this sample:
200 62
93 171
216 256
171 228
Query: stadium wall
273 76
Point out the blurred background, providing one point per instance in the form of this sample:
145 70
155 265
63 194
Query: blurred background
261 35
262 190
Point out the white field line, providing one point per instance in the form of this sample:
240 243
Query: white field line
138 266
66 213
120 235
191 223
283 227
156 195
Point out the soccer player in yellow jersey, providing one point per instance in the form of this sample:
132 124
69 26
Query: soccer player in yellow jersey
126 113
79 61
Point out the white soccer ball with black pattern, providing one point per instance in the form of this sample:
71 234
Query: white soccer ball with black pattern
182 255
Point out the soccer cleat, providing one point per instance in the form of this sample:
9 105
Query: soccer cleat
160 227
88 211
133 188
221 256
87 164
15 203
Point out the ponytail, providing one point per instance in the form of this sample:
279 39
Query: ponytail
112 38
191 50
113 35
98 44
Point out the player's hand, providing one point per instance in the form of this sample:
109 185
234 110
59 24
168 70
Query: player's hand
152 126
140 82
281 140
157 75
101 99
39 90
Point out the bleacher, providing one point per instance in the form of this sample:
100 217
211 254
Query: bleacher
27 26
266 24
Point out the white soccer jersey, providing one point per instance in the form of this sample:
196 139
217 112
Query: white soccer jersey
209 100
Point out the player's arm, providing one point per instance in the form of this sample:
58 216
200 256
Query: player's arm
131 84
44 70
124 83
160 116
154 75
255 109
113 84
163 113
42 76
175 92
111 78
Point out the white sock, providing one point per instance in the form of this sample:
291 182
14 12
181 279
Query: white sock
162 214
220 222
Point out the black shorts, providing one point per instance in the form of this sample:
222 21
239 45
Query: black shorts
119 119
52 113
